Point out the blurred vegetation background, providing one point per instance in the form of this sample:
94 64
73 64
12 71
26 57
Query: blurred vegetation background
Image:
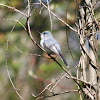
31 74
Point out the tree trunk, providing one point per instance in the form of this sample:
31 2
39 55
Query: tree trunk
87 31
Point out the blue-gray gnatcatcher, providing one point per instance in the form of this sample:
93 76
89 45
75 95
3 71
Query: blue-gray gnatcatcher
50 45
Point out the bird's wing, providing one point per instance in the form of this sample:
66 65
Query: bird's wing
53 45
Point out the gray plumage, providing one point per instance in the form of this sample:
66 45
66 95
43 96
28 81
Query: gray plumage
50 45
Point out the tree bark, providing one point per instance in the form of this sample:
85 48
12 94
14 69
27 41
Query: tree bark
87 31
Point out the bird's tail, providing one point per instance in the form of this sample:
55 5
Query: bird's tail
64 61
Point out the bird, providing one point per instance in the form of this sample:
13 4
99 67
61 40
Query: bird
50 45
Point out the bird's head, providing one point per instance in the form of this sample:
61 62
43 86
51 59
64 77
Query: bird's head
46 34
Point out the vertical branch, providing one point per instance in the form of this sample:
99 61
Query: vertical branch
92 43
94 73
49 14
82 40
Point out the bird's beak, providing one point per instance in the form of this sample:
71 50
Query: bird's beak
39 32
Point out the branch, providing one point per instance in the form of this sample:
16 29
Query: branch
58 17
16 90
57 94
13 8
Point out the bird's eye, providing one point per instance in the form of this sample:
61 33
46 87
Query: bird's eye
44 33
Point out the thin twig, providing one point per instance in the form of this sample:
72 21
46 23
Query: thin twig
15 21
19 50
9 73
57 94
13 8
59 18
49 14
8 40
